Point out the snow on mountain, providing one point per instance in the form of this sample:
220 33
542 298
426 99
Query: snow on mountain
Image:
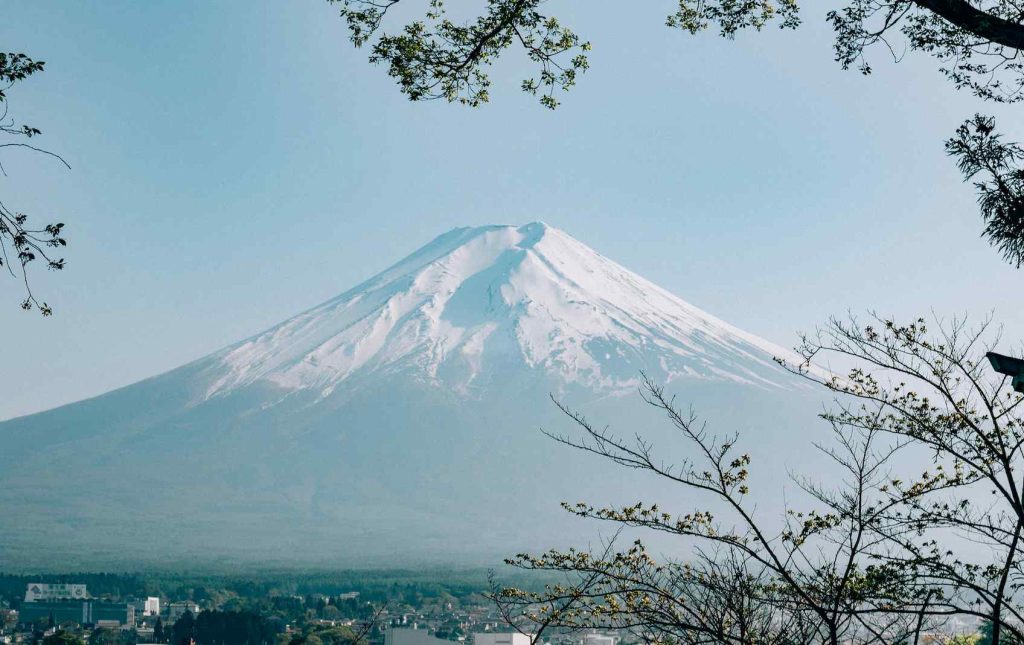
476 295
399 417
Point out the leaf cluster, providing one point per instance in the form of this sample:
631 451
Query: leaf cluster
437 57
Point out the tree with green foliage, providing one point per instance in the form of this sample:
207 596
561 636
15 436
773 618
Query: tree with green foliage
21 242
63 637
104 636
977 44
322 635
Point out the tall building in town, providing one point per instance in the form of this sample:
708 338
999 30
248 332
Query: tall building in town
147 606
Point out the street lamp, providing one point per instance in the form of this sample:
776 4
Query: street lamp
1010 366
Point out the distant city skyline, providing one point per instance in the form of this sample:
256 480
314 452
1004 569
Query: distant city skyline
234 164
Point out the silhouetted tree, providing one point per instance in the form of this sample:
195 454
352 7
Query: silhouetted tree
184 630
817 580
879 559
937 393
22 243
233 628
982 155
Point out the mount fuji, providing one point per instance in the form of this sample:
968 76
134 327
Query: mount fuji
395 423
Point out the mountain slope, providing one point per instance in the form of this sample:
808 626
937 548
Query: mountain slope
398 416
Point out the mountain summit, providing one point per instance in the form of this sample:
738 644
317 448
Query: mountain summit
477 299
399 417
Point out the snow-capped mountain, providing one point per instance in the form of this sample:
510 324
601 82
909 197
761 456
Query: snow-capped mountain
479 297
399 416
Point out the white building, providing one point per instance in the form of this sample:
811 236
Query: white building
403 636
502 638
147 606
43 592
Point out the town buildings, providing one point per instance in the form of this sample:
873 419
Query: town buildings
61 603
46 592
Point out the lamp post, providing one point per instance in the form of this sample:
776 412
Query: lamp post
1010 366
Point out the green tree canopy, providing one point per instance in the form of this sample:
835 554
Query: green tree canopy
62 637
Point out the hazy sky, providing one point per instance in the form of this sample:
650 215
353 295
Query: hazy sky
236 162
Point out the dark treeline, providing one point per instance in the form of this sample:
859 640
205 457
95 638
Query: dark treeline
224 628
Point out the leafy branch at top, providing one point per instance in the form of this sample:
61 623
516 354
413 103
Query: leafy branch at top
437 57
982 153
977 44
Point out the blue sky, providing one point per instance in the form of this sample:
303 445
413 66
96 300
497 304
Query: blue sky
236 162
